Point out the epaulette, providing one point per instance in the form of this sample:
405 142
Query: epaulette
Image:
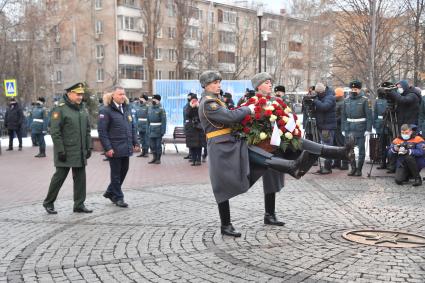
61 104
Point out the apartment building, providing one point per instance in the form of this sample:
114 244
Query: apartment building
104 43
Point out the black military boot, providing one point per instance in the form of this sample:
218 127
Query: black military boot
344 165
358 172
353 168
418 181
158 158
296 168
326 168
143 153
153 159
229 230
270 219
330 152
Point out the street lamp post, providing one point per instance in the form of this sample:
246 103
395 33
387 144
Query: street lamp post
259 15
265 35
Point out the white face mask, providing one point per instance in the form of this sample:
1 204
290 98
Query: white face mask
400 90
405 137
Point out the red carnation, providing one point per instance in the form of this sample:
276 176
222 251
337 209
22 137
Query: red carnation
257 116
257 109
279 112
262 101
251 100
246 130
268 113
268 97
259 95
243 122
284 105
283 129
281 123
295 116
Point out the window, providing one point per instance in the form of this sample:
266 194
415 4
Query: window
295 46
172 55
99 27
272 24
131 3
187 75
194 13
132 72
100 52
171 32
158 74
226 57
159 33
227 37
158 54
128 23
57 52
58 77
100 75
226 17
171 75
98 4
170 8
192 32
295 63
188 54
130 48
210 17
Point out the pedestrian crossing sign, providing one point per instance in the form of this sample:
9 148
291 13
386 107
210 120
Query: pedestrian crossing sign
10 87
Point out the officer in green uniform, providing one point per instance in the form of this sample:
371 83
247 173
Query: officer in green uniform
39 117
70 130
356 119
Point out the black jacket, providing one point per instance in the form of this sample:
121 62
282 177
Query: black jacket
326 110
195 136
14 117
408 104
117 130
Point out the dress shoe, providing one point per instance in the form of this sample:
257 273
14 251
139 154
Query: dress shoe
344 167
204 159
198 163
358 172
381 167
82 209
121 203
229 230
270 219
9 149
187 157
418 181
50 210
390 170
20 148
110 196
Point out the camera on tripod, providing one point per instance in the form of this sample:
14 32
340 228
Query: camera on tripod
384 91
308 101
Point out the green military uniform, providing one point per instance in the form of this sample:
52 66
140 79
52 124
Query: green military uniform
70 131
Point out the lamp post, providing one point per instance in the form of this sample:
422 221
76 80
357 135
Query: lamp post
265 35
259 15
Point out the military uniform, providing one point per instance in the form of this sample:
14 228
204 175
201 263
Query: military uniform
142 127
381 130
356 119
70 131
157 125
39 120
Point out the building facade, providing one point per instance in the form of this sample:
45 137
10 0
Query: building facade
104 43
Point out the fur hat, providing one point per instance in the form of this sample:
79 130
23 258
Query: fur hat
208 77
157 97
260 78
192 95
227 95
279 88
355 84
41 99
107 99
145 97
319 88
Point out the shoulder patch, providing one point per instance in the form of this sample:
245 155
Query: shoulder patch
369 103
61 104
55 115
213 105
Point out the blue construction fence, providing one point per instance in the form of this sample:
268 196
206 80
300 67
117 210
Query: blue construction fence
174 96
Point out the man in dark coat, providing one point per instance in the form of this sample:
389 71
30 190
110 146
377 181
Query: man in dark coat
381 130
70 130
118 136
186 121
195 136
339 139
227 98
325 113
13 122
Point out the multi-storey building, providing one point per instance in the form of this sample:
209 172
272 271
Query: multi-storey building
104 43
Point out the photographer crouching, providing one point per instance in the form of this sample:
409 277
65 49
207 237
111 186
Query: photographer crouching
408 150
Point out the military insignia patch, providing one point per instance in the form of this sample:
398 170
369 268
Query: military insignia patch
55 115
213 106
129 118
369 103
101 116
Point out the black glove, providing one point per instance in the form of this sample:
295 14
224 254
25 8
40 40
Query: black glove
62 156
88 154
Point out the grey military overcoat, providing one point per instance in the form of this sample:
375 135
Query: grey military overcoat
227 155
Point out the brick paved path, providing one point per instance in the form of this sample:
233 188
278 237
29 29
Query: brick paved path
170 232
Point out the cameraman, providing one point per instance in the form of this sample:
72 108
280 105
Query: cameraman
408 150
248 94
356 121
308 110
325 113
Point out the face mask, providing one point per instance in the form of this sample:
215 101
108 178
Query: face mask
400 90
154 103
353 93
405 137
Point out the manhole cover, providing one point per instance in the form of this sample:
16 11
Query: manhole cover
389 239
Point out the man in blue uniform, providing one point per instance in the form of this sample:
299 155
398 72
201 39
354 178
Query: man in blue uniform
142 124
39 117
157 124
381 130
356 119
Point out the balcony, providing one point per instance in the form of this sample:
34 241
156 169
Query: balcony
128 83
191 43
226 67
295 54
227 47
128 11
130 35
130 60
226 27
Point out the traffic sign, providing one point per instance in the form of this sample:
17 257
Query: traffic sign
10 87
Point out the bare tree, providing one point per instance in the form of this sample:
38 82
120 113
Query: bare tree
152 16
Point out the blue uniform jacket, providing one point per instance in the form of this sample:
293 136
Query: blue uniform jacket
356 117
378 115
116 130
142 118
414 145
326 110
157 121
39 119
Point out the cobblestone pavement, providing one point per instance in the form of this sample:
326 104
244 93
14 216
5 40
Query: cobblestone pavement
170 234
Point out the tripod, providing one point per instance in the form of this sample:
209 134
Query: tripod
311 131
390 130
